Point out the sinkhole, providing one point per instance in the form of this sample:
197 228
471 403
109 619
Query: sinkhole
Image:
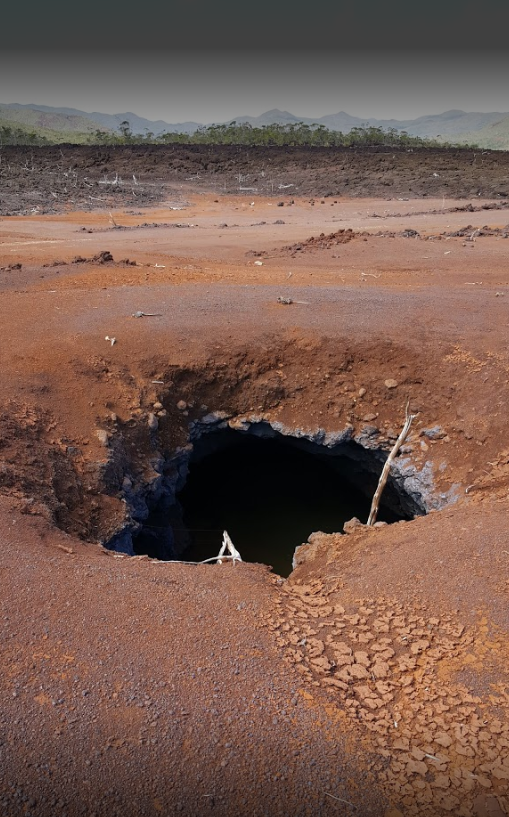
269 494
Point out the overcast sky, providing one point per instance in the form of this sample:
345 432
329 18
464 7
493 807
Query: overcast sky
212 60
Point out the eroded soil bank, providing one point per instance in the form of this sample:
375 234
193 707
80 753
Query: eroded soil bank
374 679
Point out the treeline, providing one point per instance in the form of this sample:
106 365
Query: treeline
20 136
282 135
291 135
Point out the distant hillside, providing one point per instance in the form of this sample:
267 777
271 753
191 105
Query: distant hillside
50 124
494 136
489 130
12 132
272 117
448 126
107 121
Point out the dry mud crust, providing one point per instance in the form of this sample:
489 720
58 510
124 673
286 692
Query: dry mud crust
46 179
416 650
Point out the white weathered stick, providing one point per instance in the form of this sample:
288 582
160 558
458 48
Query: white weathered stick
228 545
387 467
183 562
341 799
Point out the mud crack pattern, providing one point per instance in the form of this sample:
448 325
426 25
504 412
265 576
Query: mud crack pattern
409 678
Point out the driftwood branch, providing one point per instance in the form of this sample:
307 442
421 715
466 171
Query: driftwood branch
230 547
233 555
384 476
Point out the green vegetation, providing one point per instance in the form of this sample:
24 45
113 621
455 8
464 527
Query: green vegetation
27 126
12 133
491 137
298 134
15 135
295 134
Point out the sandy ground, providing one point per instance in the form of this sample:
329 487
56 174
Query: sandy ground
374 680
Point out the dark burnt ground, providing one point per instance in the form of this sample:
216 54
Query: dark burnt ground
49 179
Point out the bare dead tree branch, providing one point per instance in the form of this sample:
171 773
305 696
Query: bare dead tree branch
384 476
233 554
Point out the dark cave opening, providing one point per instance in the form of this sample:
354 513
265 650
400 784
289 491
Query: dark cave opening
270 495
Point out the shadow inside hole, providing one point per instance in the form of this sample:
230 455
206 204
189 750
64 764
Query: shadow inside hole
269 496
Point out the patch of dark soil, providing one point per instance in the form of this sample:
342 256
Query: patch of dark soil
321 242
469 233
50 179
130 227
46 471
103 257
467 208
470 208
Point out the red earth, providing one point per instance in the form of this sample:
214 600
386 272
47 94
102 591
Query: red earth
373 680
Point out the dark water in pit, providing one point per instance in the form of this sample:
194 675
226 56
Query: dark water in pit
270 497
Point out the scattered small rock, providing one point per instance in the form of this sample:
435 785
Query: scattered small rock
140 314
352 525
391 384
153 422
435 433
214 417
102 257
102 436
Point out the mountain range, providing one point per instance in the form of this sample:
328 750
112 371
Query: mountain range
490 130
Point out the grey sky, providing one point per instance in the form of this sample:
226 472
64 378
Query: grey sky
264 24
210 61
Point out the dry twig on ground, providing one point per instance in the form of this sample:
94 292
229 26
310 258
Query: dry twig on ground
387 467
